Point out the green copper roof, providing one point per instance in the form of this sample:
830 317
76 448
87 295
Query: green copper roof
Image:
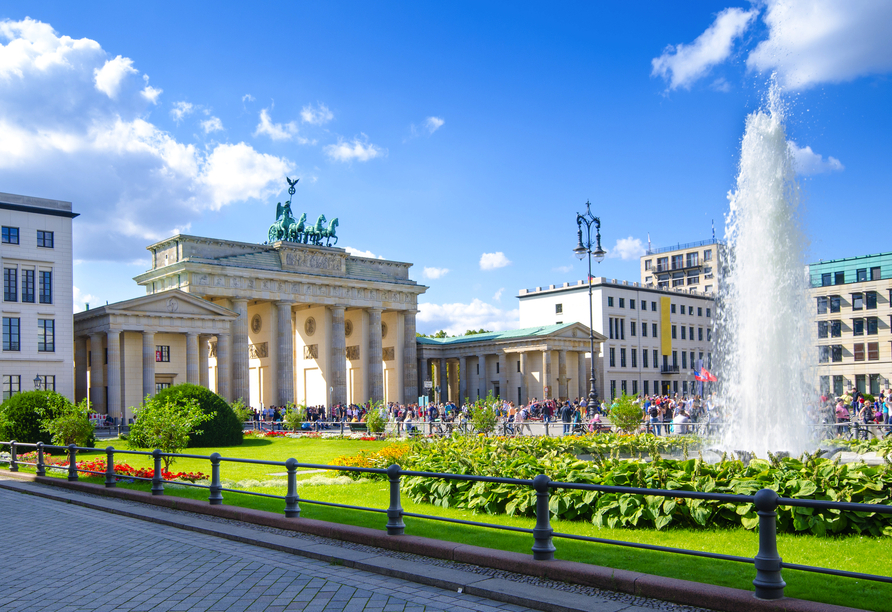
542 330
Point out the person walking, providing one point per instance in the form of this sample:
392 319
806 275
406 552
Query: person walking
567 416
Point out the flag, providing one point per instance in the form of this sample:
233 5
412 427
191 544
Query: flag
707 375
698 376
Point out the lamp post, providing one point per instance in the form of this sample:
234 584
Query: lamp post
582 249
37 382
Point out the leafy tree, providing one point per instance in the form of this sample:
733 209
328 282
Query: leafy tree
243 412
24 413
69 424
223 429
294 416
375 419
625 414
472 332
485 414
167 423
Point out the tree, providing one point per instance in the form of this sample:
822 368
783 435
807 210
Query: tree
24 415
472 332
69 424
243 412
375 420
625 414
294 416
485 414
166 423
223 429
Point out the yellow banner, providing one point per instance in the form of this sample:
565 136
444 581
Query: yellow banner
665 327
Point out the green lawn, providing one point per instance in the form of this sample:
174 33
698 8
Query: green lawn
852 553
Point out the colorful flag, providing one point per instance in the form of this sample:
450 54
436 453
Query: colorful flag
707 375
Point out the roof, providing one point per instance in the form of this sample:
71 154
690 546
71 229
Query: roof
542 330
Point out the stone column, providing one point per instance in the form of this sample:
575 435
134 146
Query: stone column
547 386
97 375
80 369
376 365
192 367
443 379
583 375
240 357
148 364
503 376
481 377
462 378
224 367
563 391
284 354
424 374
410 364
524 394
338 356
113 338
203 355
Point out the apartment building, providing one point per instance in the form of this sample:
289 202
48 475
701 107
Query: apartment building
853 323
35 254
654 338
692 267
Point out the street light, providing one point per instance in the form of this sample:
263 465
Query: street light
37 381
582 249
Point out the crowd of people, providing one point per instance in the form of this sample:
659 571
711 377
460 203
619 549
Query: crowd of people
856 407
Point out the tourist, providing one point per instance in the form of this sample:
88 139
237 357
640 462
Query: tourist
682 422
566 416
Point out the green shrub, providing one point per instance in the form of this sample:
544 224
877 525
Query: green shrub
294 416
375 420
244 413
484 414
167 423
625 414
23 414
224 428
71 425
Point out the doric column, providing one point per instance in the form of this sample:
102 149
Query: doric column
148 364
80 369
376 365
563 392
192 360
410 365
338 356
462 378
113 338
97 375
503 376
424 374
582 376
284 354
240 356
481 375
203 355
443 375
224 367
524 394
547 386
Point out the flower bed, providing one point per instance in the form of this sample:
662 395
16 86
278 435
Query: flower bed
126 471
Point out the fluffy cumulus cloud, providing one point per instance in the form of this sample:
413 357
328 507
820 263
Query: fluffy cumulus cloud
493 261
181 110
359 149
132 182
808 163
81 300
458 318
681 65
358 253
434 273
627 248
498 294
277 131
212 124
319 115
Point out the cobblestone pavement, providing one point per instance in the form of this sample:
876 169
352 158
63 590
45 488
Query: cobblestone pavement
60 558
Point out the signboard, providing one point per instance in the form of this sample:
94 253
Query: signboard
428 385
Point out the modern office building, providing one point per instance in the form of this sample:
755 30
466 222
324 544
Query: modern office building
853 323
693 267
37 295
654 338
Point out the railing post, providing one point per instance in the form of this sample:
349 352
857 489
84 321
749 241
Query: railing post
342 429
395 525
41 468
768 582
72 462
546 428
110 480
216 489
292 509
157 478
543 548
13 465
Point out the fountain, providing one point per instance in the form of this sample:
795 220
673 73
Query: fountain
765 347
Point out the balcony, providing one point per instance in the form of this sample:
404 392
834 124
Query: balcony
669 369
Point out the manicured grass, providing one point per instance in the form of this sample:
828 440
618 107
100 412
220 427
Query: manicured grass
852 553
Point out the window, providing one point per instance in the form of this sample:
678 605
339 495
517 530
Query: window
656 362
700 334
11 334
861 275
859 351
612 389
653 327
822 305
632 304
707 255
162 353
646 387
691 332
837 385
873 351
609 301
683 332
10 235
825 385
857 301
684 361
612 357
632 327
826 279
44 239
875 273
47 382
610 325
857 327
870 300
12 383
558 309
677 262
634 387
709 360
46 287
835 303
874 384
674 359
662 264
46 335
672 308
518 365
497 363
839 278
673 332
653 306
622 329
644 330
693 259
644 360
823 329
823 354
836 353
860 380
691 310
709 312
872 324
647 264
10 285
835 329
622 357
622 302
28 286
161 385
708 335
623 386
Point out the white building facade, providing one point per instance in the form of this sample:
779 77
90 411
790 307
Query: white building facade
655 338
37 295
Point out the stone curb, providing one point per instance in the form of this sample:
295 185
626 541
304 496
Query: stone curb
724 599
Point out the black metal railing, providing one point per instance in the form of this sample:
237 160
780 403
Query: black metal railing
669 369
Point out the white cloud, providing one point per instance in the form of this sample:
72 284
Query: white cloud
562 269
824 41
492 261
434 273
358 253
498 295
82 299
132 182
247 98
316 116
360 150
807 162
212 124
112 74
433 124
277 131
180 110
627 248
151 94
457 318
682 65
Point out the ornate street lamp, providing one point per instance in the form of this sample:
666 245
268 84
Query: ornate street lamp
37 382
582 249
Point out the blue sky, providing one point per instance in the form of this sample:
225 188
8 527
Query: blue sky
461 137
